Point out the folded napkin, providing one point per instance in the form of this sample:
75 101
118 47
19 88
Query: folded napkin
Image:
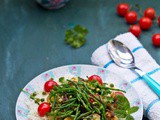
144 61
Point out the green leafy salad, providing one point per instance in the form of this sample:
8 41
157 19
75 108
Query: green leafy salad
83 99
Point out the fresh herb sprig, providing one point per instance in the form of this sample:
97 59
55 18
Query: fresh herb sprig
76 36
124 108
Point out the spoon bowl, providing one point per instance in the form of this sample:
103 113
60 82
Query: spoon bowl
121 54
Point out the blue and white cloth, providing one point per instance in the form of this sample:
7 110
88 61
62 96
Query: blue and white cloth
144 61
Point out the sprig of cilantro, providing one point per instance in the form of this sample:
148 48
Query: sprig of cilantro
76 36
124 109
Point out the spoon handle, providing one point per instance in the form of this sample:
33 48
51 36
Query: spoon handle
152 84
155 86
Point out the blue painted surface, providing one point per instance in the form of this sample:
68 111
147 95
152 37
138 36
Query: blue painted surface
32 40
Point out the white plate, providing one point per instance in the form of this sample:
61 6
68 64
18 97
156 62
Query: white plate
82 71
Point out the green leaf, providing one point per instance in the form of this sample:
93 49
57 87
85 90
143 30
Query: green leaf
62 80
120 113
80 29
123 103
77 43
133 109
110 99
129 117
76 36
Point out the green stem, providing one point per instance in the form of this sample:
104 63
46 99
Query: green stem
83 102
66 105
108 88
84 115
77 112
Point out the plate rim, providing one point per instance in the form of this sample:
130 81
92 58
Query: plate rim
85 66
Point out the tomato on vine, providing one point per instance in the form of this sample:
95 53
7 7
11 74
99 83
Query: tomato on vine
122 9
135 30
131 17
150 13
156 39
145 23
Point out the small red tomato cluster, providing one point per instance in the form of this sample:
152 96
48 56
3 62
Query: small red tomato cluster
144 23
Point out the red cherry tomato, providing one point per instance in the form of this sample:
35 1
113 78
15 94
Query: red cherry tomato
159 20
118 93
131 17
156 39
145 23
48 86
91 98
122 9
43 108
135 30
95 77
150 12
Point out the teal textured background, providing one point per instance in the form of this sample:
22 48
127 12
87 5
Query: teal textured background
32 40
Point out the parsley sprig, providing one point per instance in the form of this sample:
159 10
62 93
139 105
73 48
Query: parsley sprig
76 36
124 108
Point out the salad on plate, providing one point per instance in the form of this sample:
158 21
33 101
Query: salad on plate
81 99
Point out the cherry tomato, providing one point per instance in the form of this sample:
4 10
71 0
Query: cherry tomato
159 20
145 23
156 39
150 12
48 86
122 9
135 30
118 93
91 97
131 17
95 77
43 108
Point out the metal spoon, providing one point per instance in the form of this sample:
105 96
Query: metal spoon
123 57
